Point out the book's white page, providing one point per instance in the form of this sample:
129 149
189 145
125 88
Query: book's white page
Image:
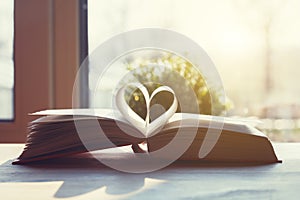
214 122
99 112
178 119
146 125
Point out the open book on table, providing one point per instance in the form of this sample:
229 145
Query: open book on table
59 133
55 135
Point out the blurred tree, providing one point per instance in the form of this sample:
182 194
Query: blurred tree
179 74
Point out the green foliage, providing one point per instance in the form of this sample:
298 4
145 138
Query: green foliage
181 76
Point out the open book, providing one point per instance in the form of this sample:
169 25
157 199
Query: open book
55 135
59 133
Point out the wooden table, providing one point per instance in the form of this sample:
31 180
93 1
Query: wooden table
85 178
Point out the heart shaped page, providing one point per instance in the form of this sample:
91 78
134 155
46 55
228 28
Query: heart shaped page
146 126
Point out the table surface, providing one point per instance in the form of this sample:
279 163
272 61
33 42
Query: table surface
86 178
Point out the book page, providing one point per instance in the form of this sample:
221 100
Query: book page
179 120
97 112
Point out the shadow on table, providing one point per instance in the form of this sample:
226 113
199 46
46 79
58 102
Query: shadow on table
83 174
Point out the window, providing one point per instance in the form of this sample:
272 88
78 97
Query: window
254 45
6 61
46 59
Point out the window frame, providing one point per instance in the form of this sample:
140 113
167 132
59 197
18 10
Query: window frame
46 59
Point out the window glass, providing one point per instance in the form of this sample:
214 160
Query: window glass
6 60
254 45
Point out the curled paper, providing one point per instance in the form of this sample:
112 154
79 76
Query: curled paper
144 125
